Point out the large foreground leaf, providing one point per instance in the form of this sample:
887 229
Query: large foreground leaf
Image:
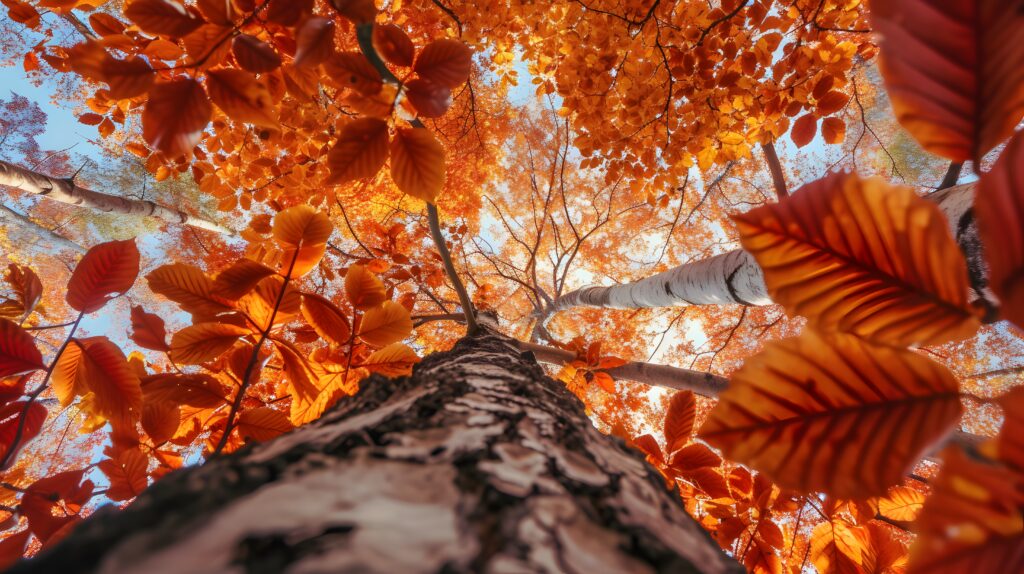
863 257
954 70
833 413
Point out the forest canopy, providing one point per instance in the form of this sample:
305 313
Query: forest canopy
778 247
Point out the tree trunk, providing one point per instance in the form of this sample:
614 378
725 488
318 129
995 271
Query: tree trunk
475 463
31 227
735 277
65 191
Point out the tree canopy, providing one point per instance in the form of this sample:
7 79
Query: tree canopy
741 232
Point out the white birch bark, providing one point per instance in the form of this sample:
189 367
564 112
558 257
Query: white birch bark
734 277
65 191
18 220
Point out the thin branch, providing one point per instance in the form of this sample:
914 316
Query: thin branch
952 175
775 167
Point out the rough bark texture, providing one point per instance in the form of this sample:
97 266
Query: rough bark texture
735 277
65 191
476 463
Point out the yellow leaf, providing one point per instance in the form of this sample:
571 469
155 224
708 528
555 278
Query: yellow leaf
303 233
901 503
326 319
395 360
262 424
386 324
363 288
127 474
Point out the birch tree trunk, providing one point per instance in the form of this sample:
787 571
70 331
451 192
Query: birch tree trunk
32 228
65 191
475 463
734 277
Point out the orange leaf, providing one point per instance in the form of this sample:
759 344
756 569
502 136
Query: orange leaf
364 289
833 130
18 352
417 163
361 150
864 257
262 424
103 369
1011 436
314 41
69 379
694 456
12 548
298 371
973 521
259 306
204 342
999 204
445 62
352 70
395 360
241 278
105 25
392 43
953 71
303 233
166 17
254 55
10 419
175 116
288 12
386 324
28 289
22 12
160 419
148 330
107 270
804 129
679 419
326 319
190 288
358 11
241 97
832 102
128 474
840 547
64 492
833 413
649 445
902 503
194 390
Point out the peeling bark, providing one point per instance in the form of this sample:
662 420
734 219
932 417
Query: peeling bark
65 191
475 463
734 277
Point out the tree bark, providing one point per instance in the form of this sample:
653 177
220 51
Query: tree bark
475 463
19 220
65 191
734 277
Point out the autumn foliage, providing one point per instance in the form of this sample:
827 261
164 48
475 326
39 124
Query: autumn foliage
312 124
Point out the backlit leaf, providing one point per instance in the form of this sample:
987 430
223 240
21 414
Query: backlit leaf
833 130
175 116
833 413
973 521
242 97
679 420
363 288
395 360
392 43
314 41
361 150
107 270
804 130
104 371
999 205
254 55
127 474
954 71
204 342
303 233
445 62
242 277
864 257
28 289
901 503
386 324
326 319
166 17
417 163
1011 436
11 416
353 70
262 424
18 352
160 419
148 330
190 288
840 547
694 456
194 390
431 100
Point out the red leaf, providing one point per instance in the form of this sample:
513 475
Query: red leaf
175 116
431 100
166 17
148 330
679 420
446 62
18 352
392 43
361 150
254 55
804 130
314 41
107 270
10 419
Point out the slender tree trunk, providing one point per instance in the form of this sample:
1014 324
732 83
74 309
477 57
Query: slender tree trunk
735 277
475 463
65 191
